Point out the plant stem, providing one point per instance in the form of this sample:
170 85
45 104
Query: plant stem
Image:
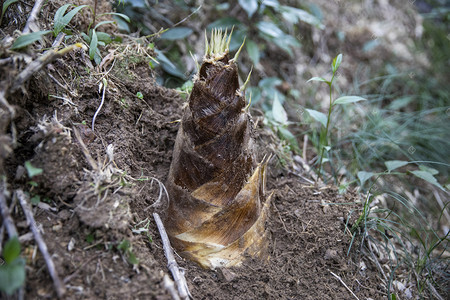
326 129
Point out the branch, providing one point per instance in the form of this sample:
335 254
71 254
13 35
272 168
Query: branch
23 199
7 219
39 63
31 22
343 283
171 262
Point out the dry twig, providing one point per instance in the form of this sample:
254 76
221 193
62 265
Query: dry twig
39 63
7 219
343 283
31 22
180 281
23 200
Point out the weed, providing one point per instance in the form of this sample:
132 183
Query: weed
5 6
12 269
126 249
325 119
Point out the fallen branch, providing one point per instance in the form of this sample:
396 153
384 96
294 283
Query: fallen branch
23 200
31 22
7 219
169 285
343 283
180 281
39 63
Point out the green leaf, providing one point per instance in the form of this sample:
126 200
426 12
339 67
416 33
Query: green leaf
348 99
250 6
253 51
177 33
363 176
6 4
139 95
122 24
57 20
61 20
427 176
278 112
319 79
103 23
132 258
32 171
27 39
224 23
394 164
69 16
11 251
318 116
86 37
286 42
336 63
124 245
168 66
125 17
103 37
35 200
93 45
288 136
429 170
293 15
269 29
12 276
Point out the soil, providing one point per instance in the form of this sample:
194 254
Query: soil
97 193
101 183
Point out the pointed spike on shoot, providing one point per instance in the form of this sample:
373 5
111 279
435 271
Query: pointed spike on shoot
229 38
236 56
244 86
218 45
197 65
249 102
206 44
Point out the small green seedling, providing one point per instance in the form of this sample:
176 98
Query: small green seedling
139 95
5 6
12 267
325 119
126 248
